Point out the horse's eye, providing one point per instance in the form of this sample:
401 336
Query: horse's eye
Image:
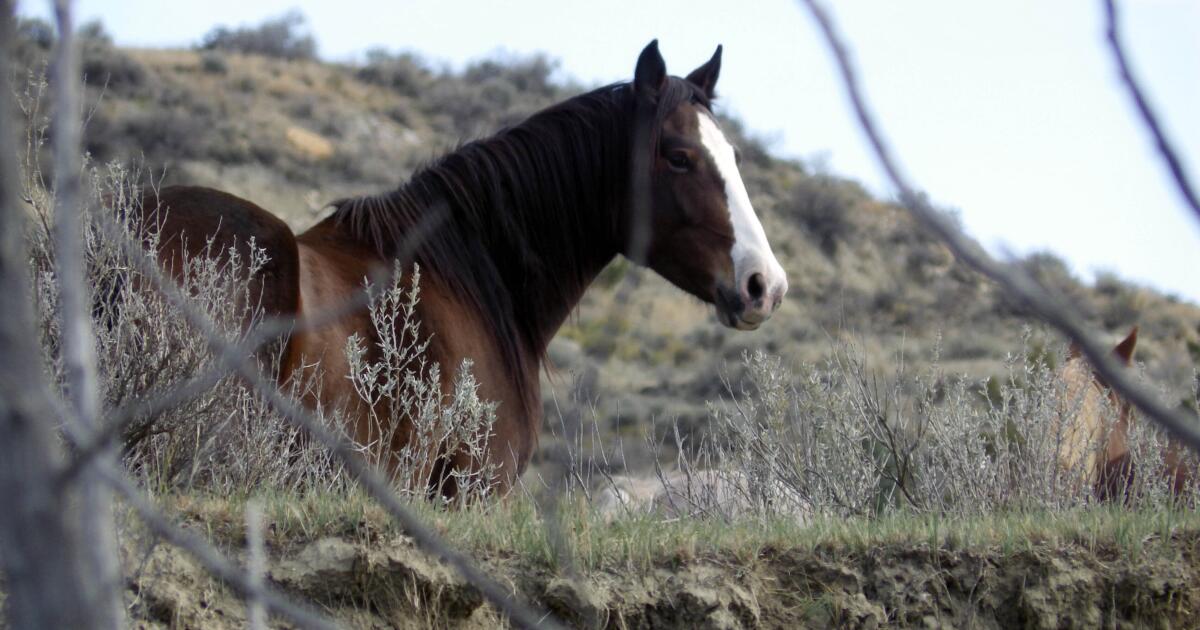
679 161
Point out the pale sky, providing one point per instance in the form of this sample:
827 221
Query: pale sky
1009 112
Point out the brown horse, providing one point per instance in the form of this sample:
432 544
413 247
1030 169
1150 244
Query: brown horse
1100 451
509 231
187 217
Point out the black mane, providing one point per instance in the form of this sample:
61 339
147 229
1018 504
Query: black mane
513 223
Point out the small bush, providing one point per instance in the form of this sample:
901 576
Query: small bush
104 65
822 205
228 439
279 37
840 440
400 388
34 38
489 95
1053 274
166 134
1121 304
529 75
213 62
404 73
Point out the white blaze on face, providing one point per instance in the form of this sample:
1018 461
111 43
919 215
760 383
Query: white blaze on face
751 252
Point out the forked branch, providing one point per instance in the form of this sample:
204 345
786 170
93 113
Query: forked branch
1161 141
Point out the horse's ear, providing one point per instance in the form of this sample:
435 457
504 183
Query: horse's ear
651 73
705 77
1124 350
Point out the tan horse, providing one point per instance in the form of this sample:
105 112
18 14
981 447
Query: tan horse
1100 451
509 231
1088 445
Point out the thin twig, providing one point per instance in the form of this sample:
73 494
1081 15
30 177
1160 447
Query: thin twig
78 340
1180 425
1162 143
256 613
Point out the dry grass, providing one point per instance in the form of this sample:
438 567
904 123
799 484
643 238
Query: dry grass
865 454
520 529
839 439
402 391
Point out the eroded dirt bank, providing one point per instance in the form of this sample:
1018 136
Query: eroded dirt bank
381 585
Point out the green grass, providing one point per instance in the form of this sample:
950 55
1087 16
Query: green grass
517 529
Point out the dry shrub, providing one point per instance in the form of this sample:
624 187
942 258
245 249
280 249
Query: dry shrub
226 439
402 389
837 439
281 37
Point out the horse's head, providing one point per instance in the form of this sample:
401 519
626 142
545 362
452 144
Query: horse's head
692 220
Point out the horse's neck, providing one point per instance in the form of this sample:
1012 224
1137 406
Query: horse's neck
568 215
555 282
553 316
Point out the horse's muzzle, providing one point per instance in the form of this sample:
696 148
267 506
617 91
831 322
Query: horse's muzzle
748 308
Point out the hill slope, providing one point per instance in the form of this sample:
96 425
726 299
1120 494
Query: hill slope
293 135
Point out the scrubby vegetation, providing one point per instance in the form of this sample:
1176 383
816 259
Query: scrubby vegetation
278 37
896 401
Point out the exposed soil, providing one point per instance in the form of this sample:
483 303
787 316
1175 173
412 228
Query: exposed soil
385 585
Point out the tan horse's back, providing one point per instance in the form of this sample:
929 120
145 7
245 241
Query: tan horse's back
1095 442
1093 427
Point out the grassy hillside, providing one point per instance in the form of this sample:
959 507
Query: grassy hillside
1095 568
292 133
895 438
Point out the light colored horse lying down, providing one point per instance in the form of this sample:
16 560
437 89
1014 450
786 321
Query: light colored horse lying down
696 493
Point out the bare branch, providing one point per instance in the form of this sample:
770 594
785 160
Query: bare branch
1180 425
1178 174
43 551
256 613
78 341
206 554
79 357
342 449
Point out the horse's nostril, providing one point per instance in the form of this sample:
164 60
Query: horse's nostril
756 286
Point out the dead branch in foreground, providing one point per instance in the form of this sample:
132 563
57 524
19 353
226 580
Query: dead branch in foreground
1149 118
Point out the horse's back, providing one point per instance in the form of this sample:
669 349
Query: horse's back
187 218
